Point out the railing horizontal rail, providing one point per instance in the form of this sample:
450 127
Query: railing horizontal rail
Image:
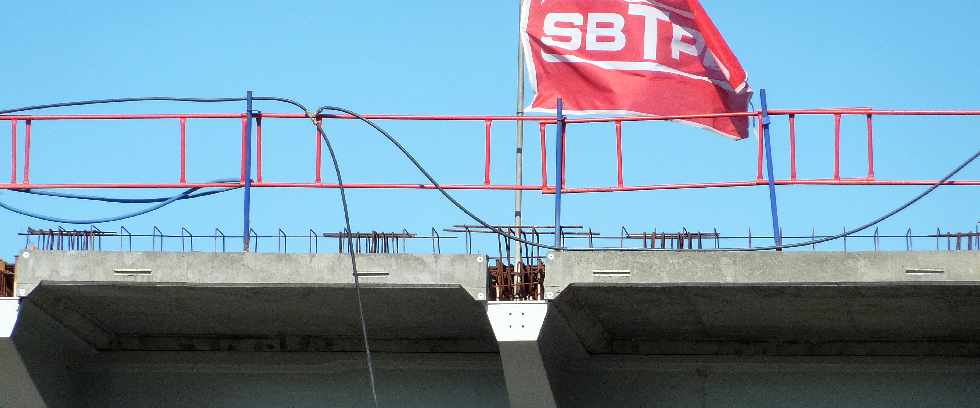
22 180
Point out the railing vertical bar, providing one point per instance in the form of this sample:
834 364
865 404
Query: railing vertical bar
871 149
792 147
319 152
619 153
27 152
544 154
183 150
486 154
258 148
564 140
244 141
837 118
758 174
13 151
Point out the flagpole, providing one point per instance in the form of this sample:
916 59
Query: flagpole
559 167
519 152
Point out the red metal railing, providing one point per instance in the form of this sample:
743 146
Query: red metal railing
23 180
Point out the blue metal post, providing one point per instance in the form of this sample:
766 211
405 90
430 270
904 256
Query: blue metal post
248 171
777 236
559 169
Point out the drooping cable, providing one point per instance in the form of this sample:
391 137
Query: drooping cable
165 202
123 200
117 100
350 240
502 233
187 194
445 193
162 203
871 223
435 183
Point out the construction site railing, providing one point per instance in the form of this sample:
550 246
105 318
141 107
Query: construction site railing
21 178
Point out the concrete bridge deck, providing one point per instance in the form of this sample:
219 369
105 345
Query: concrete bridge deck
666 328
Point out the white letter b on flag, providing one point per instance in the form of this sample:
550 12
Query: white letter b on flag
613 28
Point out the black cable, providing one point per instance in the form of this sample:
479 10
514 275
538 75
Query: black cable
500 232
350 240
118 100
444 191
184 195
872 223
149 209
121 200
435 183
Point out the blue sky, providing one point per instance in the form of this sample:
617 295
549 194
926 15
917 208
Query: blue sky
437 57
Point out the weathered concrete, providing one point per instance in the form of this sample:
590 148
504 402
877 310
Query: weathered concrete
753 381
466 271
18 387
623 267
621 328
210 379
200 301
517 326
789 304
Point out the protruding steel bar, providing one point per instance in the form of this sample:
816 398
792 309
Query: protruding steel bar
281 241
156 231
185 232
217 233
122 230
314 242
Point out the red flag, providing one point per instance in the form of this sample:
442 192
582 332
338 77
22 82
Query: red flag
663 57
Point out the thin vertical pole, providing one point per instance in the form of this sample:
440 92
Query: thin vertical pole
559 166
519 141
777 236
27 153
248 171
